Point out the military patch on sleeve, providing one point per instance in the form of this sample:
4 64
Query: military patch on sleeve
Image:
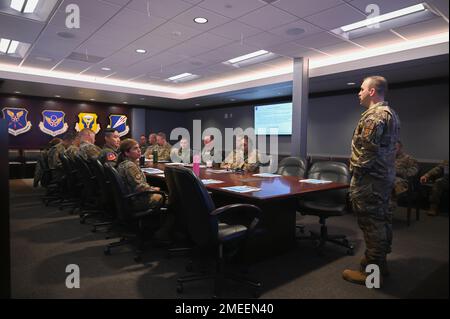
369 126
111 156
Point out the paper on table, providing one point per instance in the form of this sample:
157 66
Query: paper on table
242 189
219 171
266 175
149 170
314 181
211 181
172 164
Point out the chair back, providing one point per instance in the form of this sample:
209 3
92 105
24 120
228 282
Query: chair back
46 173
85 176
118 191
174 200
102 182
292 166
14 155
197 204
332 171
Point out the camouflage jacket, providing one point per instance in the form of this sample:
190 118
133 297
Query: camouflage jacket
406 166
72 151
438 171
135 182
373 142
108 155
178 155
149 151
89 151
237 159
54 162
163 151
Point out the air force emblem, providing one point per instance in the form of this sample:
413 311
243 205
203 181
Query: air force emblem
53 123
17 120
119 123
87 120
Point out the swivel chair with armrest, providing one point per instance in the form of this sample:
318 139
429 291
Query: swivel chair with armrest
213 239
327 204
292 166
130 223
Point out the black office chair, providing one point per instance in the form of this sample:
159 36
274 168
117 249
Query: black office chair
292 166
131 224
412 198
211 237
31 158
328 203
15 164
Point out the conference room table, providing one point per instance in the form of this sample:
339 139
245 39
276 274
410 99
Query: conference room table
277 197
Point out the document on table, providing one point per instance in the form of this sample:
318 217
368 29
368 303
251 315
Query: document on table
219 171
242 189
175 164
211 181
315 181
150 170
266 175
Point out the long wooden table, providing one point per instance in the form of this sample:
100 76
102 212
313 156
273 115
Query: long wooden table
277 198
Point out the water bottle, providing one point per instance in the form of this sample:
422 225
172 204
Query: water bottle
196 164
155 157
142 161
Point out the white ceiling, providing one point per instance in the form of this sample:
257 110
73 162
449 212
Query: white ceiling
113 29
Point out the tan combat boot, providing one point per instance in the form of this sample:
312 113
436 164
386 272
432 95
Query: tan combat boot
357 277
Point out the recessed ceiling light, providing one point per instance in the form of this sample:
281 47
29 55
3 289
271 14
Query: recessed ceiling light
384 17
197 104
91 99
106 69
200 20
141 51
351 83
17 92
57 95
125 102
142 98
248 56
24 6
232 100
8 46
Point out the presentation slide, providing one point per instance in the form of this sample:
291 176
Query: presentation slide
274 116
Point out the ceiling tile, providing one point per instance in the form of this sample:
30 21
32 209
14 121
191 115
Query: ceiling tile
306 8
166 9
319 39
176 31
235 30
231 8
336 17
378 39
72 66
423 29
289 49
441 5
264 40
296 30
117 2
214 20
6 59
340 49
267 18
34 61
208 41
93 10
19 29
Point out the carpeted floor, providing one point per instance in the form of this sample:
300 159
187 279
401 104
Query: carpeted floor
44 240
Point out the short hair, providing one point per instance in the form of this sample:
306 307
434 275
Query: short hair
162 135
379 83
86 131
108 131
69 136
54 141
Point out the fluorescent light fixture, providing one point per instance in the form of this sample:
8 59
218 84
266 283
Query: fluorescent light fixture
24 6
384 17
106 69
17 92
200 20
248 56
351 83
142 51
58 96
8 46
179 76
125 102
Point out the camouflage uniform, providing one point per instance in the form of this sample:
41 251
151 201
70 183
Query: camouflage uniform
54 161
405 166
143 148
89 151
439 175
238 159
136 181
207 154
72 151
108 155
39 171
149 151
372 164
163 151
178 155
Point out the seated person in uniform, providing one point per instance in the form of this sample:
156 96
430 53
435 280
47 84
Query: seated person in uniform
150 146
133 177
39 170
111 147
74 149
244 157
405 167
54 160
208 149
181 154
162 147
88 150
438 175
143 143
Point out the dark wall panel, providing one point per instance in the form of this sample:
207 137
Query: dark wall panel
35 138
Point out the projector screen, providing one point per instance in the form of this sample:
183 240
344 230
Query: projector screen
277 116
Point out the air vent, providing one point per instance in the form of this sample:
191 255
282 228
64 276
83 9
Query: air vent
269 1
75 56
